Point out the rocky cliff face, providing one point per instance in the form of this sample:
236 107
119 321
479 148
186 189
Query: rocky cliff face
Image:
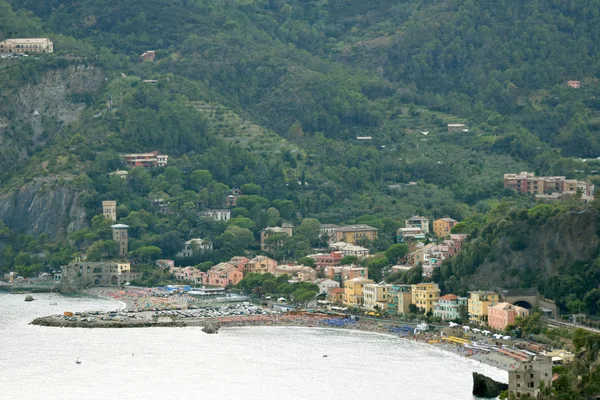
40 208
34 114
545 247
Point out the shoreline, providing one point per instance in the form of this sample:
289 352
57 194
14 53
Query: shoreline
144 319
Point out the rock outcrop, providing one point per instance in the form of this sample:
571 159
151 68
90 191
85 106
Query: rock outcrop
487 387
43 208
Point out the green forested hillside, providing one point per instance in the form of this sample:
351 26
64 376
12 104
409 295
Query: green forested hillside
270 95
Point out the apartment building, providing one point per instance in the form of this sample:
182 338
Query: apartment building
478 305
425 295
376 296
443 226
353 291
417 221
544 186
354 233
146 160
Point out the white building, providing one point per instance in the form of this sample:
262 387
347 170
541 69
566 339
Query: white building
217 215
195 245
325 284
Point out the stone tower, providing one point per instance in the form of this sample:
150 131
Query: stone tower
109 209
120 236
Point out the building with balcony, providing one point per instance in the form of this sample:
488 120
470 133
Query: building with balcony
260 265
425 295
353 291
224 275
376 296
443 226
478 305
417 222
548 187
269 235
503 314
525 381
146 160
449 307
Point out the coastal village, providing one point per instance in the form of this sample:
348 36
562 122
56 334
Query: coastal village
474 326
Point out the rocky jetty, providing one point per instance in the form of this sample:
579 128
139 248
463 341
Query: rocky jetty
487 387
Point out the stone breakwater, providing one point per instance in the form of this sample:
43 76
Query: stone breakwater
61 323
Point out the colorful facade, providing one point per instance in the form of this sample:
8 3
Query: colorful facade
449 307
353 291
443 226
479 304
503 314
425 295
377 296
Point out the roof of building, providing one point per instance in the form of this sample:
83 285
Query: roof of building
223 268
360 280
418 218
446 220
356 228
449 297
26 40
329 226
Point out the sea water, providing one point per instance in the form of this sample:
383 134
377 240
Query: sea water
238 363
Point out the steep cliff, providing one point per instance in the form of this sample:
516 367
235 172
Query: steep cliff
43 208
33 113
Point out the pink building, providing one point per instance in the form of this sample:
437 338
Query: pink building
224 274
187 273
239 262
574 84
503 314
326 260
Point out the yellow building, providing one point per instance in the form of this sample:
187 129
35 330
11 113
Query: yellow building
377 296
30 45
424 295
353 291
355 233
478 304
442 226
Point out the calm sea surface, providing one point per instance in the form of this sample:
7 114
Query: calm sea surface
238 363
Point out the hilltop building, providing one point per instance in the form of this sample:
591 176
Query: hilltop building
120 236
443 226
418 222
195 245
425 295
412 234
354 233
456 128
574 84
146 160
525 380
109 210
217 215
478 305
23 46
296 272
265 234
148 56
548 187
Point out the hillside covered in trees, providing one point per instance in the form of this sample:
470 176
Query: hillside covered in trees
270 96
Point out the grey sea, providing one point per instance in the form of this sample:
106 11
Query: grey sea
238 363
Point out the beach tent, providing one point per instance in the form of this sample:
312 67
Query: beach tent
476 330
453 325
466 328
506 338
486 332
